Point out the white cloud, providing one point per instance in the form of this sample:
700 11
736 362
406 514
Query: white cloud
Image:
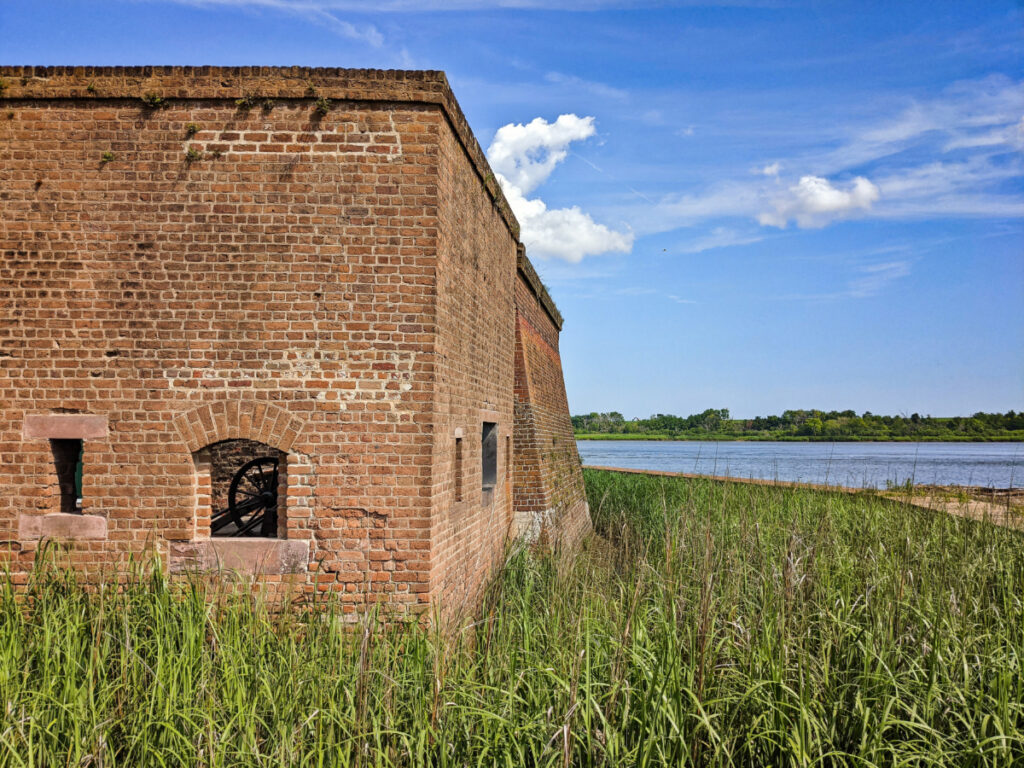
523 157
527 154
562 233
957 154
814 202
578 83
1009 135
868 280
418 6
968 114
720 237
875 277
319 13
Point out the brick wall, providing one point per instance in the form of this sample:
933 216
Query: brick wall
475 346
317 260
279 288
549 497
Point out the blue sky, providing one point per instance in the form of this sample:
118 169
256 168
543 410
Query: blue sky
756 206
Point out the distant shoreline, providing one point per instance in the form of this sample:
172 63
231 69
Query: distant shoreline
793 439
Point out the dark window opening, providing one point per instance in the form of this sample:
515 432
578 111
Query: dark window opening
489 454
508 457
247 485
458 469
67 459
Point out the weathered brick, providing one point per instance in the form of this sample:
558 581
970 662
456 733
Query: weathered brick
348 290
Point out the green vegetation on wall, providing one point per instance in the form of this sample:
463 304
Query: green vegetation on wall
715 424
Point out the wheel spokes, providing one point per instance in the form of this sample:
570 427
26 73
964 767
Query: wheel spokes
252 500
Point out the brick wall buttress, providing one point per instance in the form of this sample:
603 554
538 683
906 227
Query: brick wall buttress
549 498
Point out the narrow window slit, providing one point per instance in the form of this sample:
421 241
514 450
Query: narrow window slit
488 455
67 460
458 469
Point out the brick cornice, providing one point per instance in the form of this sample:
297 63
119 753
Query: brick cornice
28 83
538 288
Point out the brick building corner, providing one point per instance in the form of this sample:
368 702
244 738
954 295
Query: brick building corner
203 265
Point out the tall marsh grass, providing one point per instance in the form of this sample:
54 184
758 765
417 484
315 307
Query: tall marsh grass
708 624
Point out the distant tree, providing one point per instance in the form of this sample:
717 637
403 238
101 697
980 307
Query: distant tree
807 423
811 426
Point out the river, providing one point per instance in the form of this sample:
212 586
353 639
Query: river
857 465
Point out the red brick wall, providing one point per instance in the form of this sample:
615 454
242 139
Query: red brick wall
228 262
291 267
475 346
549 498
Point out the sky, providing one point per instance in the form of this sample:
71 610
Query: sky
757 206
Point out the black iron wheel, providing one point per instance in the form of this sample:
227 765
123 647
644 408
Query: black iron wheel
252 498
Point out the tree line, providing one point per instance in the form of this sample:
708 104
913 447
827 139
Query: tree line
716 423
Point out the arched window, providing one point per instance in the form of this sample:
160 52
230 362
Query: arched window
248 489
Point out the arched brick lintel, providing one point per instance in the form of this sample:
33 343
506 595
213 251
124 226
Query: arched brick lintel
238 420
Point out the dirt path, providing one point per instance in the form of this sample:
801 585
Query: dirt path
1002 507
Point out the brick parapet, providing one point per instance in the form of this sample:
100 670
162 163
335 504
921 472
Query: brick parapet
474 378
257 83
533 282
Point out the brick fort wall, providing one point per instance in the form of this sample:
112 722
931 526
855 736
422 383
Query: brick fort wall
549 498
317 260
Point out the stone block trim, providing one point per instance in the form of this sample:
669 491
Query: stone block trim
238 420
64 426
247 556
62 526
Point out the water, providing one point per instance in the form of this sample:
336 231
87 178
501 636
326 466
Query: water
858 465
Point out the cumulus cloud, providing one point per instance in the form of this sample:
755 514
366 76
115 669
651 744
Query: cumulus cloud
563 233
527 154
814 202
523 157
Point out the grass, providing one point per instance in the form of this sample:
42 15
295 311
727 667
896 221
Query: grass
709 624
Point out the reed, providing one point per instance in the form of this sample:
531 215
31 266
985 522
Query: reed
706 624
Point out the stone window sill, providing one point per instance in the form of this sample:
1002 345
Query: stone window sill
250 556
62 526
